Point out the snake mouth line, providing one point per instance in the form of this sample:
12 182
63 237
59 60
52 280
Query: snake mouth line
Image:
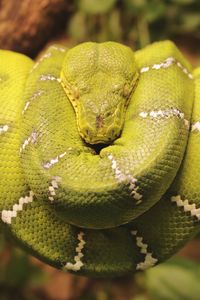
99 142
98 147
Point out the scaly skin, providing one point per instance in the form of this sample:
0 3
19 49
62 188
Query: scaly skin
98 80
100 213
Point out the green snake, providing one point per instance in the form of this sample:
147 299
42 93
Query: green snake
100 155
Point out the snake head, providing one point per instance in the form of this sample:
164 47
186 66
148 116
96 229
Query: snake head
99 80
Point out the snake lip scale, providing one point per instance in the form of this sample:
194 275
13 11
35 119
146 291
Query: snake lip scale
107 209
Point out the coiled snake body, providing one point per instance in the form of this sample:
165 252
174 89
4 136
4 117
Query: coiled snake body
99 155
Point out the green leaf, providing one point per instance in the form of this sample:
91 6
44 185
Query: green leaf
190 21
77 26
20 272
183 2
115 29
155 11
17 272
135 6
177 279
96 6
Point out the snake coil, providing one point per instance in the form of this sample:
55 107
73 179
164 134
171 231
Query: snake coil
104 209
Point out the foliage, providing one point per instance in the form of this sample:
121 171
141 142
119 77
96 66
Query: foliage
176 279
17 274
138 21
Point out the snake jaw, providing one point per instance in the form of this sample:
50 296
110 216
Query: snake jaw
99 98
106 126
101 128
100 131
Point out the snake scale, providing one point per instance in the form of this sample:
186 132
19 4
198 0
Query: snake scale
99 155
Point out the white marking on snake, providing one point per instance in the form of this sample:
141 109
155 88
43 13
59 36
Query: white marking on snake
45 56
166 64
49 77
33 97
187 207
79 254
123 177
196 126
31 139
53 187
53 161
149 260
58 48
7 215
4 128
166 113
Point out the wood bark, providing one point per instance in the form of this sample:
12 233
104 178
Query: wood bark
26 25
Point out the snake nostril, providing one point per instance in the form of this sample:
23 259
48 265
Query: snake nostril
108 114
113 133
88 132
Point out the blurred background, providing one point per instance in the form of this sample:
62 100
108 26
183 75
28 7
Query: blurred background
28 27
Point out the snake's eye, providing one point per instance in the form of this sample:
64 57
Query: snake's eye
75 92
108 114
126 90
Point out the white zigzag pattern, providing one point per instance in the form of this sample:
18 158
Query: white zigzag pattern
187 207
79 254
196 126
7 215
49 77
53 187
149 260
122 177
31 139
166 64
47 55
4 128
167 113
53 161
33 97
58 48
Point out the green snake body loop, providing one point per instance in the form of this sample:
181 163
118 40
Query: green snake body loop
124 208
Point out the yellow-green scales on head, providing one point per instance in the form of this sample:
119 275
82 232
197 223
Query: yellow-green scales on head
98 80
135 200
